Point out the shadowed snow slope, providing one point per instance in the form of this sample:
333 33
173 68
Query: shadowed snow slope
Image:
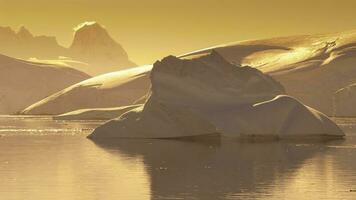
96 113
282 116
114 89
208 95
311 68
23 83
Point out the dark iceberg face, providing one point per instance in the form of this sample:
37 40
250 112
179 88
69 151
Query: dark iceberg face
210 81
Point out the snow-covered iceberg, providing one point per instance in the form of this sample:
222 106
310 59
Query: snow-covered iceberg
208 95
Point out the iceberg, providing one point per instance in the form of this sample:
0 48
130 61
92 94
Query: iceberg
208 95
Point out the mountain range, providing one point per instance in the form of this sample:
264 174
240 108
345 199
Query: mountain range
319 70
92 51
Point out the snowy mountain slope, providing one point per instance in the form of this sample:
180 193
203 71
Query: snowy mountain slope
22 83
114 89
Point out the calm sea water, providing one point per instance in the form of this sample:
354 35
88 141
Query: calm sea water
42 159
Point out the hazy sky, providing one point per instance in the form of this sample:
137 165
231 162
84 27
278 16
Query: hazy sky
151 29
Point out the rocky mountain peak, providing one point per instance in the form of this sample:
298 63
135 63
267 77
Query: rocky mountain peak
24 33
89 34
93 44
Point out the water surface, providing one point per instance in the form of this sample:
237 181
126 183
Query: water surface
43 159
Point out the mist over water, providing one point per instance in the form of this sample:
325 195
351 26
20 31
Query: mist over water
45 159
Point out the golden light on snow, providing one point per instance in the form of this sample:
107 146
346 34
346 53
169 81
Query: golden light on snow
84 24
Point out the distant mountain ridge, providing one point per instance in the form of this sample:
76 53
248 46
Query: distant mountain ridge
94 49
23 44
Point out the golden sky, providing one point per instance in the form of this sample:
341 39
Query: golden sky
152 29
